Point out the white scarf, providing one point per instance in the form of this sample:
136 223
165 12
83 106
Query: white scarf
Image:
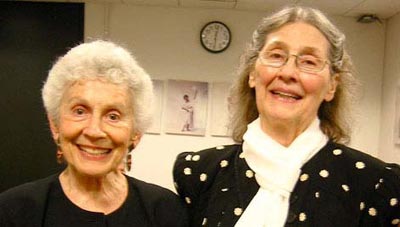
277 169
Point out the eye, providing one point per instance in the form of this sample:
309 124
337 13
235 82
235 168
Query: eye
79 111
114 116
309 61
275 55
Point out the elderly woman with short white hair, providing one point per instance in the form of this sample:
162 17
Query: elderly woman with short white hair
97 101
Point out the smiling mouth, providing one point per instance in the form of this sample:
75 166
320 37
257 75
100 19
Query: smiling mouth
286 95
94 151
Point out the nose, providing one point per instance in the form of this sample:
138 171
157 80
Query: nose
289 70
94 128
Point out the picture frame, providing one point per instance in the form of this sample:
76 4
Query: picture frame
397 117
186 107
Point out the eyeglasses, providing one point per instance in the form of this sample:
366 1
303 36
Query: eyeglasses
305 63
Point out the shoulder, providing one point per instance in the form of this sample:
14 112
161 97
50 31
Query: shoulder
357 164
371 185
209 160
205 159
194 172
26 201
151 192
345 164
162 205
27 191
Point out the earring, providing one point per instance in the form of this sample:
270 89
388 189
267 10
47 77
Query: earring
131 147
59 153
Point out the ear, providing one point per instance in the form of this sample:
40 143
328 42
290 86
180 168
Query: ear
135 141
252 79
54 130
333 83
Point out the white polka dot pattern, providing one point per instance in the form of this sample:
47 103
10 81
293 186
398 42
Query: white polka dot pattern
187 171
337 152
302 217
372 211
196 158
360 165
224 163
304 177
329 175
203 177
324 173
238 211
345 187
204 222
393 202
362 206
249 174
188 157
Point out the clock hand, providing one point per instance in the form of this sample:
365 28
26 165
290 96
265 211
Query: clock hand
215 37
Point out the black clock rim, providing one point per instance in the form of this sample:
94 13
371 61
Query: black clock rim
229 41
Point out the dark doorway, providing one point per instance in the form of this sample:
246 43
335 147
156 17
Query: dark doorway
32 36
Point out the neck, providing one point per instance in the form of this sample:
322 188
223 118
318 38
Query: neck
98 194
283 132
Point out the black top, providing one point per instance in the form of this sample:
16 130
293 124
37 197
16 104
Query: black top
43 203
59 207
339 186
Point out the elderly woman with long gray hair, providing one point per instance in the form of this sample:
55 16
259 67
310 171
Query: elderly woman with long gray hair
291 166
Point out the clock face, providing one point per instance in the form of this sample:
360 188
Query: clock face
215 37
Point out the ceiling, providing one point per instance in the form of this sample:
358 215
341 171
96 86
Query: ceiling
383 9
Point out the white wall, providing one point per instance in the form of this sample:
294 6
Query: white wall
166 43
389 151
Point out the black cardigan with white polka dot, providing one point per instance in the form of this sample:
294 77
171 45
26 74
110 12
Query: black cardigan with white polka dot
339 186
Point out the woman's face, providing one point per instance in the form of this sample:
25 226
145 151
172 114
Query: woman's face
285 94
95 126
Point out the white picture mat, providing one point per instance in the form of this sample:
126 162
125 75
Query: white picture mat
176 116
219 109
397 117
155 127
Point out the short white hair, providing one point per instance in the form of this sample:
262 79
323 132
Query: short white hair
100 59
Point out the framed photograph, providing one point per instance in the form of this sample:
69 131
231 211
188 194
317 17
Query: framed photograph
219 108
186 107
397 117
155 127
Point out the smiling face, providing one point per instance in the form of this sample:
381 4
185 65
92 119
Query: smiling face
95 126
285 95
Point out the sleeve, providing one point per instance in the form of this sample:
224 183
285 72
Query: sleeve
195 173
383 208
170 212
187 177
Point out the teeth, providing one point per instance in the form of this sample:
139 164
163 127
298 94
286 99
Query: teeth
95 151
286 95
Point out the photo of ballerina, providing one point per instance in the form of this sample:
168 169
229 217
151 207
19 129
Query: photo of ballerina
186 107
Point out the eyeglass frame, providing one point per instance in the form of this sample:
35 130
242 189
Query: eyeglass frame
262 60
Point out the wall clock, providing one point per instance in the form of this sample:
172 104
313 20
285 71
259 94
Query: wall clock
215 36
